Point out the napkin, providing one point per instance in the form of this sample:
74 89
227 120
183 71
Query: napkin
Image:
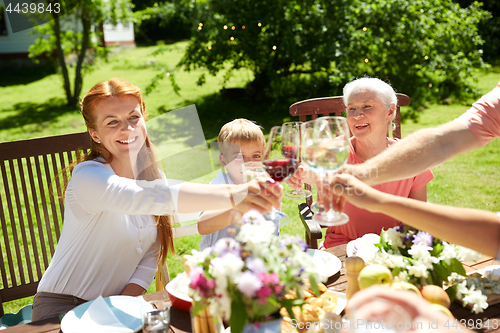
100 318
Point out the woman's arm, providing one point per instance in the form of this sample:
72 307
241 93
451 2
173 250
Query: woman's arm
133 289
420 195
98 189
472 228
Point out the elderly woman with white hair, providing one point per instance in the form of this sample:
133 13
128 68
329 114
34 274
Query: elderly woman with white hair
371 109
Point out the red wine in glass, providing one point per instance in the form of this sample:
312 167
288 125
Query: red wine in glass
281 169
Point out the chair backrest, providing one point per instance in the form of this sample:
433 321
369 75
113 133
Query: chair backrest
334 106
32 208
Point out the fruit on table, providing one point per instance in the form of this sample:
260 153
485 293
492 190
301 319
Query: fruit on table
374 274
403 285
441 308
353 265
436 295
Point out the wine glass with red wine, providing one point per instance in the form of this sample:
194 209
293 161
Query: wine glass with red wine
290 131
280 161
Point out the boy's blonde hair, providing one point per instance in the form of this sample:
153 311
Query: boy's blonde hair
240 131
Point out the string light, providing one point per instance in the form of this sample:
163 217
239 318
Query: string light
199 28
233 27
232 38
225 27
243 27
430 85
274 47
209 47
426 57
364 29
259 24
366 60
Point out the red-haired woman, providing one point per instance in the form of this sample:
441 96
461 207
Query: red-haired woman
117 205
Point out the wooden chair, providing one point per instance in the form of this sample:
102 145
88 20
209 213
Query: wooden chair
31 216
322 107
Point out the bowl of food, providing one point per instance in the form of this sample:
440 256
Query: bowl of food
177 291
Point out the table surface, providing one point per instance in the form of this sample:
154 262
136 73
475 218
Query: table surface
181 322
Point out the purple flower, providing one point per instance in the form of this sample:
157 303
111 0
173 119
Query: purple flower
226 245
248 284
423 237
256 265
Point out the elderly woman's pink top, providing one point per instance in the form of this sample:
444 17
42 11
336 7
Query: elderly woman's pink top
362 221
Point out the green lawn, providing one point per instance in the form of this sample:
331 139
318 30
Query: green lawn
33 106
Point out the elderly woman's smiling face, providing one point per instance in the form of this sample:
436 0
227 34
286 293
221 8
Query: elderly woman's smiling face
367 115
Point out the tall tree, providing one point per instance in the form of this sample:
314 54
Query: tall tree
427 49
74 36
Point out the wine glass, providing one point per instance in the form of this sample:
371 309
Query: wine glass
254 169
329 152
306 130
280 159
290 130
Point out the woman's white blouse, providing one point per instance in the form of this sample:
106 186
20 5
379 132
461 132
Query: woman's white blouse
109 238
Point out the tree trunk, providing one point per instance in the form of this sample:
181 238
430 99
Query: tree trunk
81 57
62 61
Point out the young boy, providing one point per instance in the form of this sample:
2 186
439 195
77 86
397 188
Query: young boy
240 141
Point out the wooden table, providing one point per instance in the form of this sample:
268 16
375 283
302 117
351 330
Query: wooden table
181 321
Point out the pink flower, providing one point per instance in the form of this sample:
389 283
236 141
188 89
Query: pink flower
264 292
273 277
278 289
263 277
248 284
200 283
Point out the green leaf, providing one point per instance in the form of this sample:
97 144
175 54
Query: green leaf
314 284
452 293
441 272
456 266
438 248
238 315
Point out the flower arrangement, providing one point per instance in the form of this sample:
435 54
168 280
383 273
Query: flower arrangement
244 280
419 258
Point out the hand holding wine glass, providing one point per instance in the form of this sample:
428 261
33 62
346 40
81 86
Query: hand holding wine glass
328 152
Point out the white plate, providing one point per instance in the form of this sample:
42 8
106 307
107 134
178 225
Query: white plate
328 261
351 247
125 308
341 301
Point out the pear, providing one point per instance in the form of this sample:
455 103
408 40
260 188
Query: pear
374 274
436 295
441 308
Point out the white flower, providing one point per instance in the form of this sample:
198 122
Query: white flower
227 267
395 260
394 238
248 284
418 270
420 252
367 251
465 254
477 299
448 253
256 233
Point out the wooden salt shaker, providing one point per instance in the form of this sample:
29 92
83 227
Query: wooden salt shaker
353 265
